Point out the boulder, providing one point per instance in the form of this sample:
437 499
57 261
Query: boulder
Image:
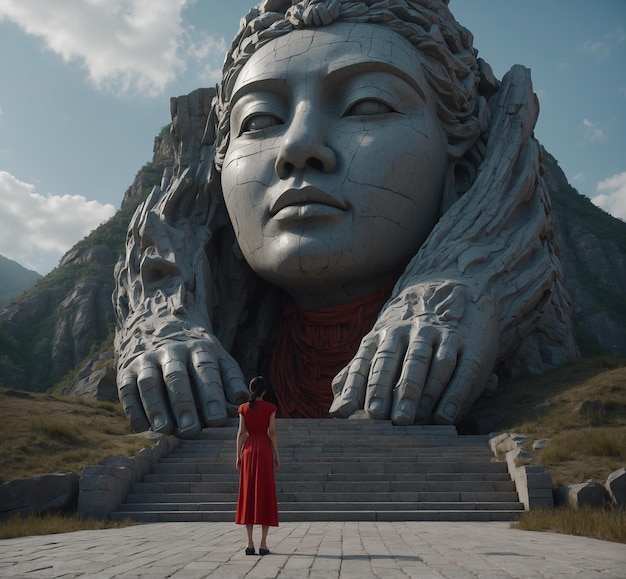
507 441
540 443
37 495
590 493
616 487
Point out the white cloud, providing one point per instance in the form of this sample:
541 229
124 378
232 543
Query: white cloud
208 51
612 195
597 48
594 132
36 230
602 49
126 46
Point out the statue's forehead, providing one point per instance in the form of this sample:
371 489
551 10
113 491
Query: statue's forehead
328 48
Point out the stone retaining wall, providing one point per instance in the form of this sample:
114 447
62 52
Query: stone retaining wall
533 482
103 488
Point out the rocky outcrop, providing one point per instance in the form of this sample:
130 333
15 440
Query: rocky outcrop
150 175
95 380
37 495
85 318
593 257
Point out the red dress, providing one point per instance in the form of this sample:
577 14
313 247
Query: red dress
257 503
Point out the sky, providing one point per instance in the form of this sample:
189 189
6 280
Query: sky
85 87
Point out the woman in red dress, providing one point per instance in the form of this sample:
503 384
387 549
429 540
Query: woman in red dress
257 459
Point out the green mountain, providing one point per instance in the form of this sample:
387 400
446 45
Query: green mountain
48 331
14 279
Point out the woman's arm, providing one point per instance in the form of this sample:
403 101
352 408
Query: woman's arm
241 438
271 432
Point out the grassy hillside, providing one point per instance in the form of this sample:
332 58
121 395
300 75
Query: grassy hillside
41 434
581 408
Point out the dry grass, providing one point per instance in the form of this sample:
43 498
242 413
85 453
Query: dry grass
581 408
42 434
607 525
587 453
51 524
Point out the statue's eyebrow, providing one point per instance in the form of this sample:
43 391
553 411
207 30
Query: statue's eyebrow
259 85
336 73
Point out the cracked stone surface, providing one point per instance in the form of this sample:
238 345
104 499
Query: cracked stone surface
339 157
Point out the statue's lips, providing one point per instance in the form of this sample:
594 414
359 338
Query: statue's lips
305 202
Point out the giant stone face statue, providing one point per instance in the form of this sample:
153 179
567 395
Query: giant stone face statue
361 218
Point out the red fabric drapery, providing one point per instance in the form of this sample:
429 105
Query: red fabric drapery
313 345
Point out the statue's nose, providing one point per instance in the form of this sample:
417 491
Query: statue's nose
303 145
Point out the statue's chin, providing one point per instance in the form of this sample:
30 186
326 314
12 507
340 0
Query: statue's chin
325 287
327 269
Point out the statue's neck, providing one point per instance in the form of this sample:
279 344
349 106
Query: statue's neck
313 345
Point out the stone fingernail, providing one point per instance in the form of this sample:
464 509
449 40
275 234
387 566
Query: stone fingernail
158 421
186 420
213 409
376 406
405 407
451 410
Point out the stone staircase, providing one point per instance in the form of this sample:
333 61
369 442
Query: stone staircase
335 470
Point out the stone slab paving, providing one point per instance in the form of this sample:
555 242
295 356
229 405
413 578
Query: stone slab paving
318 550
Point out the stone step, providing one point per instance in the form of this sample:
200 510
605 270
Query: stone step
323 425
414 436
435 497
320 454
335 470
326 516
362 466
341 441
366 486
231 506
311 477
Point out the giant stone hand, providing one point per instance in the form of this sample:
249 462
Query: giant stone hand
180 387
428 358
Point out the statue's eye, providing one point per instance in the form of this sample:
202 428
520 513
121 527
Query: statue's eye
368 107
259 122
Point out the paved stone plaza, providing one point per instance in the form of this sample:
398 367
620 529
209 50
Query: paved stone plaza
317 550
